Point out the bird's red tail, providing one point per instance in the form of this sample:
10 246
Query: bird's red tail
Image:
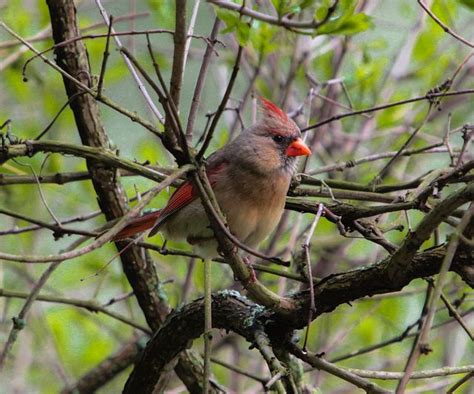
138 225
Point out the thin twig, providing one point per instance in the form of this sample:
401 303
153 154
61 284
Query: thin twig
453 312
276 369
283 21
173 112
306 246
58 229
426 374
177 72
192 23
222 105
459 383
383 172
46 33
129 64
66 104
40 190
399 338
467 136
427 96
105 100
91 306
319 363
431 308
105 58
19 321
435 148
107 236
207 334
95 36
201 79
443 26
241 371
24 48
172 120
256 266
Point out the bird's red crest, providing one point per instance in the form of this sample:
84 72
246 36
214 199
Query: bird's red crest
276 121
272 109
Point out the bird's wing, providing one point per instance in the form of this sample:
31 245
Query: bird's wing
187 193
138 225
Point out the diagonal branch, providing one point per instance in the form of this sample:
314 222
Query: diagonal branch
278 21
404 255
138 266
232 311
443 26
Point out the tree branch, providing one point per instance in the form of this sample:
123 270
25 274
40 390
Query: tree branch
231 311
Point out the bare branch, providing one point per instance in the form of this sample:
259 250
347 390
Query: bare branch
278 21
443 26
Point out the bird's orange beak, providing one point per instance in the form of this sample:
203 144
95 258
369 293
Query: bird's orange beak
298 148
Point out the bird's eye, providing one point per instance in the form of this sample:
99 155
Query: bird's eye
278 139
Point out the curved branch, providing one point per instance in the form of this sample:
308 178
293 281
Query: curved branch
343 373
345 287
98 154
103 239
403 256
443 26
428 97
278 21
91 306
137 266
231 311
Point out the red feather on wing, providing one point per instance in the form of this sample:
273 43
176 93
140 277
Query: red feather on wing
138 225
184 195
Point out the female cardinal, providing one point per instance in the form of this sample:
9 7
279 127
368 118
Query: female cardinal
250 177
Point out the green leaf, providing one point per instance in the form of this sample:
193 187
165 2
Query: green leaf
347 26
234 22
243 33
230 18
285 7
262 36
277 4
321 13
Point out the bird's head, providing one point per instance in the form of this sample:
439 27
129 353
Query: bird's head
274 142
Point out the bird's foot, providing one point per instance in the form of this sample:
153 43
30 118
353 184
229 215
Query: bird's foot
252 277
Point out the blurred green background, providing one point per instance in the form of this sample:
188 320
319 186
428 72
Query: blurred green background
392 52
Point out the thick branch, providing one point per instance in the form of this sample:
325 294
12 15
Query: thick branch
102 154
231 311
345 287
73 58
403 256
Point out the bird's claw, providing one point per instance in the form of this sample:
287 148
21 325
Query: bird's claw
252 277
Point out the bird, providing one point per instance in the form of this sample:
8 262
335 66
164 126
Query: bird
250 177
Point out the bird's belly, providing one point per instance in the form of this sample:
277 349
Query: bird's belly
251 223
190 224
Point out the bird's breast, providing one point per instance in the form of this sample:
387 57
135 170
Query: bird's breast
253 207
